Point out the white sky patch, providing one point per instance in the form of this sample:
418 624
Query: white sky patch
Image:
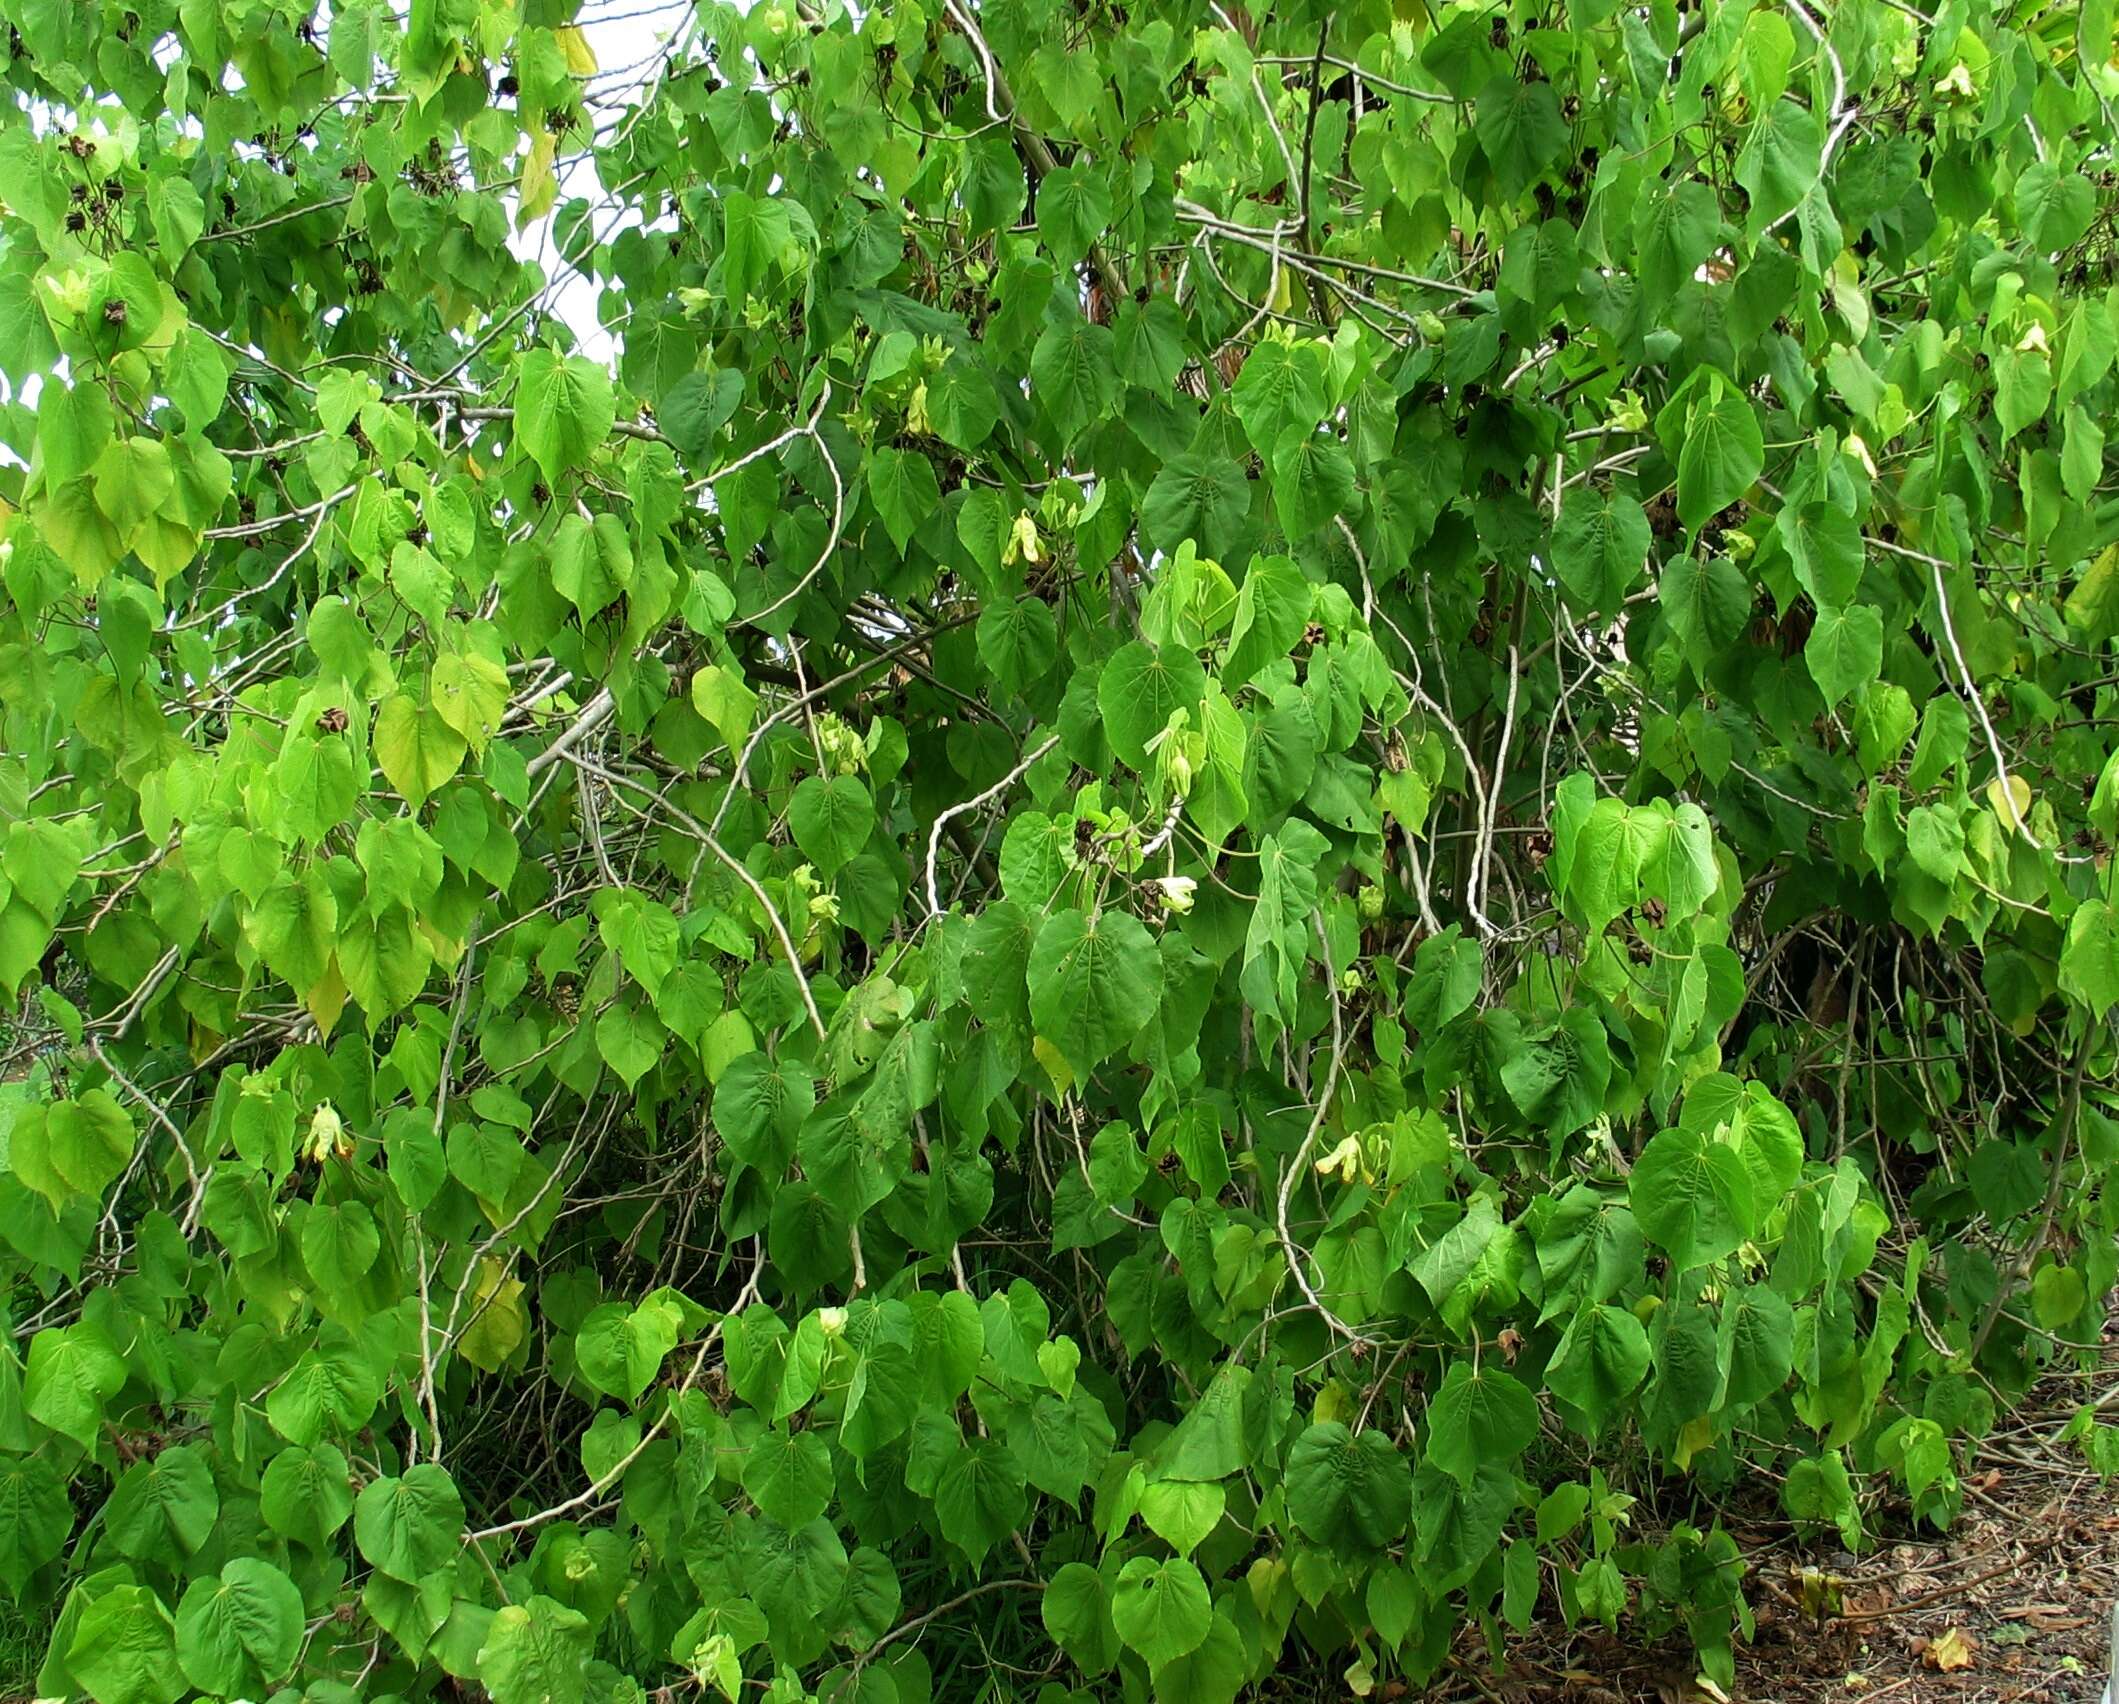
629 40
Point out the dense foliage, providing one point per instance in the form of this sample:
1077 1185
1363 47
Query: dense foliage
1270 830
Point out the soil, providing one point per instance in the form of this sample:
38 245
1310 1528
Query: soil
2013 1605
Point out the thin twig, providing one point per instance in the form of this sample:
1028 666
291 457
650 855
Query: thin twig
934 835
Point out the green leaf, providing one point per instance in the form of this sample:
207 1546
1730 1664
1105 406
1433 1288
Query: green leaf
74 424
1211 1441
808 1237
1212 1672
470 693
1353 1493
72 1373
1018 641
1723 452
536 1652
1073 373
1458 1526
1479 1417
788 1475
961 403
1845 650
1202 497
1693 1197
979 1498
1277 944
722 697
1601 1358
164 1509
1161 1609
2081 455
1614 852
2089 962
902 486
124 1649
1180 1512
694 409
592 562
339 1244
1073 207
1076 1612
832 820
331 1386
1066 74
1682 870
1781 161
1149 343
78 531
1826 547
1520 130
1673 233
2008 1179
305 1493
1935 838
1141 687
2054 204
410 1525
1707 604
73 1147
620 1350
2023 385
759 1105
1095 981
133 479
1313 481
1600 546
564 410
642 932
1755 1348
240 1631
1272 610
35 1518
1589 1250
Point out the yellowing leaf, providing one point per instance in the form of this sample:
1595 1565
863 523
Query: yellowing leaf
418 747
499 1321
574 48
2012 806
1950 1650
1055 1064
540 187
722 697
470 693
327 998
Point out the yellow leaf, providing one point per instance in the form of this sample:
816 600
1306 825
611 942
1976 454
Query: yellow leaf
2012 807
447 950
574 47
1694 1436
1055 1064
1950 1650
499 1322
1334 1402
724 699
540 187
328 998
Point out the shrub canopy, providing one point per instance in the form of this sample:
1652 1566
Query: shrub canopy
1034 845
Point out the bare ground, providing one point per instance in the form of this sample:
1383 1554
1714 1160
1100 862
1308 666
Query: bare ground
2012 1606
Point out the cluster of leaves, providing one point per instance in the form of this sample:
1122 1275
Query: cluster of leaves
1202 839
